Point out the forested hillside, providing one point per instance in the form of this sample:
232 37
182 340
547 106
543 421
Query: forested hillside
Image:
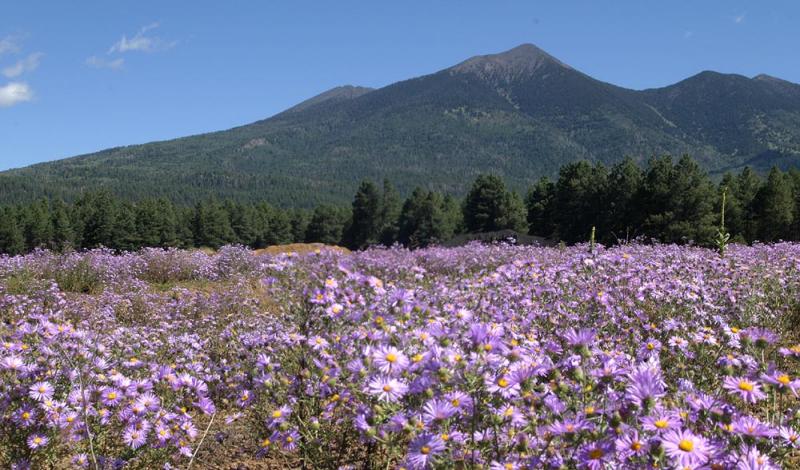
521 114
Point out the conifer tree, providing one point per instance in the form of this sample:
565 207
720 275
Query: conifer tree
364 227
775 207
12 237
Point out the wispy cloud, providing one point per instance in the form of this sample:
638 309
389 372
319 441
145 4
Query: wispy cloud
9 44
739 19
28 64
101 63
688 34
141 41
15 93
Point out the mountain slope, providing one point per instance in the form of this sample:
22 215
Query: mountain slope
521 113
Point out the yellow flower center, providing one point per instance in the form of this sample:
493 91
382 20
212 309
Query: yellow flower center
502 382
112 396
277 414
784 379
417 357
37 440
596 453
746 386
686 445
661 423
26 415
636 445
487 347
391 357
455 402
650 346
445 437
387 388
289 439
425 450
266 443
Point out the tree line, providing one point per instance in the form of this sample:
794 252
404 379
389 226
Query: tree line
669 201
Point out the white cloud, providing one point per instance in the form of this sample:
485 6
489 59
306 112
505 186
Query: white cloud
101 63
739 19
27 64
8 45
140 42
15 93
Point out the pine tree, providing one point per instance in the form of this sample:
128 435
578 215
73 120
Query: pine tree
12 238
243 223
97 218
63 234
539 204
622 219
747 186
280 228
424 220
326 225
37 224
489 207
125 235
212 225
364 227
578 201
775 207
390 213
299 219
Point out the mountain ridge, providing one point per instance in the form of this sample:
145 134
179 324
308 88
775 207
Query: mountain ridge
521 113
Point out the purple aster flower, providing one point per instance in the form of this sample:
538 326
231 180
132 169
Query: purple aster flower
36 441
791 436
744 388
133 437
502 385
596 455
41 391
751 427
685 448
579 338
630 444
750 458
390 360
645 387
437 410
781 381
110 396
423 449
387 389
660 421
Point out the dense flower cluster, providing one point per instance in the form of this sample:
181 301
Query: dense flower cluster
494 357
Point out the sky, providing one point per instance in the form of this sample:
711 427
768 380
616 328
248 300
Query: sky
77 77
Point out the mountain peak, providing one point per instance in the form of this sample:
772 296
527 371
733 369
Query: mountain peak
525 58
339 93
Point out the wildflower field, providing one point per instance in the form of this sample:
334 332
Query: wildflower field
496 357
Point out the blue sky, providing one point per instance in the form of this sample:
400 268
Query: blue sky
82 76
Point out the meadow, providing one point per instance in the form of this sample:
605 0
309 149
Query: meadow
500 357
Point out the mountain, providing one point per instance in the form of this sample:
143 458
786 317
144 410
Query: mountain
521 113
